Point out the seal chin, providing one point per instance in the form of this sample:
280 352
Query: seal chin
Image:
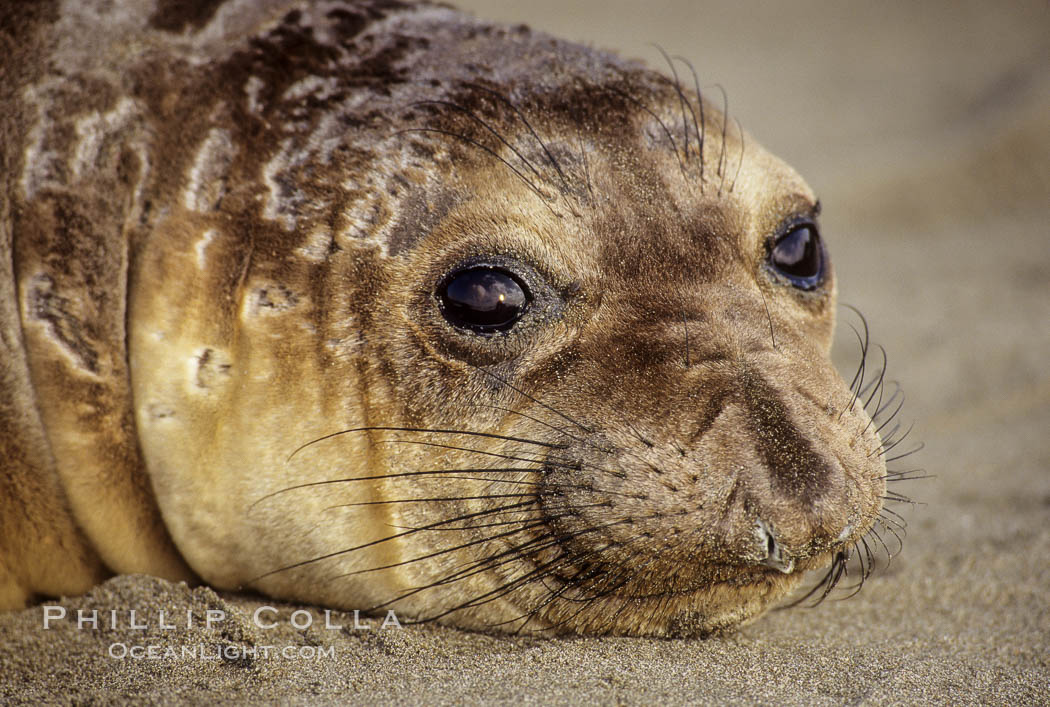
699 611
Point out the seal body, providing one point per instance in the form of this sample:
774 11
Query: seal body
378 306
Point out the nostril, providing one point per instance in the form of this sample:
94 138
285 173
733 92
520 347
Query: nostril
775 557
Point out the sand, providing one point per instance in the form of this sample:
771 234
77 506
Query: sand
925 130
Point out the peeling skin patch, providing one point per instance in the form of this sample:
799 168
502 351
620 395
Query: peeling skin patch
211 369
299 157
252 89
380 202
38 161
159 411
270 299
45 305
66 151
202 247
318 87
282 203
206 182
92 132
318 246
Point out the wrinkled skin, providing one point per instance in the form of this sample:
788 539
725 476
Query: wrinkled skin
224 229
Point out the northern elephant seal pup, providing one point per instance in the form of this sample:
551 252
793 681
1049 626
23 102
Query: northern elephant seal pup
378 306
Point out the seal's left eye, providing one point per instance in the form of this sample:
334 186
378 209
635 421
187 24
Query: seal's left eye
483 299
798 255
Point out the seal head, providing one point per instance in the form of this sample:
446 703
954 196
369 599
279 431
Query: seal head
455 319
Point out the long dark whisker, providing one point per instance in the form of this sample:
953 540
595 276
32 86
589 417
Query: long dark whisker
432 499
882 377
499 96
470 114
548 461
530 398
473 568
667 132
576 583
506 588
740 164
586 163
897 519
469 433
921 446
886 447
907 475
701 131
437 499
534 545
769 318
891 516
559 430
493 153
445 551
402 474
858 377
388 538
538 514
722 158
681 98
897 392
891 529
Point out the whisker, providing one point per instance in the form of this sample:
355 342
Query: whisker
586 163
388 538
904 455
534 400
470 114
438 553
491 152
434 499
471 569
548 460
469 433
882 377
907 475
769 318
740 164
897 392
506 588
701 131
725 124
681 98
499 96
654 116
427 472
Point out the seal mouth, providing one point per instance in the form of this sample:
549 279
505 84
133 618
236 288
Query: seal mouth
641 606
583 579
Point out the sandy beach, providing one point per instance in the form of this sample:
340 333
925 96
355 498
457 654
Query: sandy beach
925 129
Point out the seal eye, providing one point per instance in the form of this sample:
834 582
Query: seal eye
798 255
483 299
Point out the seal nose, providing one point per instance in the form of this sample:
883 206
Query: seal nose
776 557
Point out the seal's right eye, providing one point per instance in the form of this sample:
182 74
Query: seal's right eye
799 256
483 299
